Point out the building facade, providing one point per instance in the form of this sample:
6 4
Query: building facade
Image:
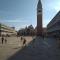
6 30
44 31
39 18
53 28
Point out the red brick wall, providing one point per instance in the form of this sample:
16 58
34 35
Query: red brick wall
39 25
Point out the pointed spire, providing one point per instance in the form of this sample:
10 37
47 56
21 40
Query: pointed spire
39 6
39 1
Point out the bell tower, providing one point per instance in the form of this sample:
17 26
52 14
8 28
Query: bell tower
39 18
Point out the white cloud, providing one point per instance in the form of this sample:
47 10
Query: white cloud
16 20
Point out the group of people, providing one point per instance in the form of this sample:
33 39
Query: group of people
3 40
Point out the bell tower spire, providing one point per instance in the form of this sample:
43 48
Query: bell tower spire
39 18
39 6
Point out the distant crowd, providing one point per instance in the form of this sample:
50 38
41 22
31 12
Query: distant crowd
4 40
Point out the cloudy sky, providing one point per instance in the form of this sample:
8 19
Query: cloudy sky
21 13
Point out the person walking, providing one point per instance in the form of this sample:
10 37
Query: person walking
5 41
2 39
24 42
21 38
6 38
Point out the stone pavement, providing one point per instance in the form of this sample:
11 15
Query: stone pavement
13 45
38 49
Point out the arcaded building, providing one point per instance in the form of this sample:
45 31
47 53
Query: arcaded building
53 28
39 18
6 30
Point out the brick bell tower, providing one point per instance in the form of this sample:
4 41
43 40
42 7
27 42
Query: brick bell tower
39 18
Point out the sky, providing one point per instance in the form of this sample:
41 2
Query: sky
22 13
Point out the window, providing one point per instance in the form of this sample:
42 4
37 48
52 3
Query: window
39 11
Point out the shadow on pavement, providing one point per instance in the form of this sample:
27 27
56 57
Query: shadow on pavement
37 49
